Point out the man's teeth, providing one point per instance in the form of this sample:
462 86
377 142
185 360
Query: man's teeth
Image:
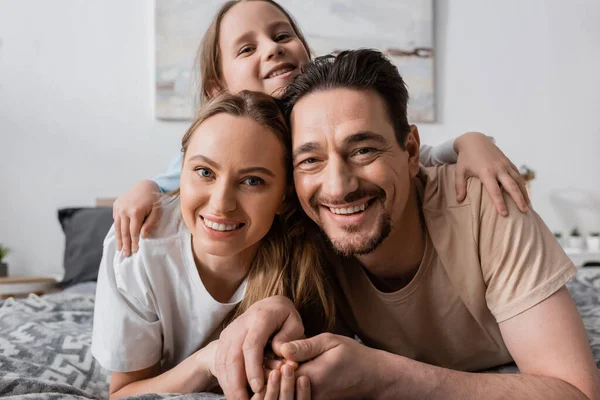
220 227
280 72
349 210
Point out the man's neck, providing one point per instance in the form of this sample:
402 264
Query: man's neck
400 254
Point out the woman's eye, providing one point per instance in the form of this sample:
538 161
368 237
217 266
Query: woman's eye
204 172
253 181
282 36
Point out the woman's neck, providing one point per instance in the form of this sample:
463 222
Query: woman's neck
222 276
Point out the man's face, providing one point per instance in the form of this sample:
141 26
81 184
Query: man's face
352 177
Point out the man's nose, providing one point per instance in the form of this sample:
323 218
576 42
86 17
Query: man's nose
340 179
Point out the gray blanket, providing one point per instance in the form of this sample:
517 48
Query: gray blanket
45 344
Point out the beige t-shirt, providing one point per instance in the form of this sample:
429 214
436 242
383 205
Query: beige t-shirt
478 270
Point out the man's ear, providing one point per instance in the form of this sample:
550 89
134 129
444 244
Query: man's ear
413 147
281 208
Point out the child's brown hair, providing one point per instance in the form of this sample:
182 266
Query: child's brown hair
208 57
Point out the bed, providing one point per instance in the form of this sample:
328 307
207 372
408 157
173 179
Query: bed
45 343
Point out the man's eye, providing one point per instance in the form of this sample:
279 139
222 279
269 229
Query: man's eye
310 160
364 150
253 181
204 172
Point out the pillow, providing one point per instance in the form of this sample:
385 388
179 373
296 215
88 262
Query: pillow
85 230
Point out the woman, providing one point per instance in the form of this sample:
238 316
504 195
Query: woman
225 244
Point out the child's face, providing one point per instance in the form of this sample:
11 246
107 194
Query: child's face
257 43
233 182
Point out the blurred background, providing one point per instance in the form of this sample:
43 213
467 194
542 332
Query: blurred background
77 106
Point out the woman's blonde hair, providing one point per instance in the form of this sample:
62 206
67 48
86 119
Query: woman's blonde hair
289 261
208 57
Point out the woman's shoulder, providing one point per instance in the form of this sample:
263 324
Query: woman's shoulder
170 223
158 254
170 226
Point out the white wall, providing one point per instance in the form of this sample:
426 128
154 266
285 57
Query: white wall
76 105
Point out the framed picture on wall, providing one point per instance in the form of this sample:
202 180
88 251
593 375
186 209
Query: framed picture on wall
402 29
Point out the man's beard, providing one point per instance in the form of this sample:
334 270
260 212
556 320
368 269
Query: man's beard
356 244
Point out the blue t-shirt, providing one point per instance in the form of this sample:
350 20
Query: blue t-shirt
169 181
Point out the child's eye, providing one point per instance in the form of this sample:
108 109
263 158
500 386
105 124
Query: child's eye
282 36
245 49
204 172
253 181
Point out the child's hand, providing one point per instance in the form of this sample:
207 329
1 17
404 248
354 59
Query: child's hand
478 156
282 383
135 211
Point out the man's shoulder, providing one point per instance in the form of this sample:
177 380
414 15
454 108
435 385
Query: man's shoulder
439 188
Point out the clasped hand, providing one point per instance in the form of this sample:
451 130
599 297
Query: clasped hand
330 366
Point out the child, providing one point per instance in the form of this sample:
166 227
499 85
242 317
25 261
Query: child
222 246
256 45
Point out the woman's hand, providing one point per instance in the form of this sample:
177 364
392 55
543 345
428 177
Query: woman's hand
135 211
205 359
478 156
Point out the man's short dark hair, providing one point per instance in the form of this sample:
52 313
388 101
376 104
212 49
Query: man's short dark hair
363 69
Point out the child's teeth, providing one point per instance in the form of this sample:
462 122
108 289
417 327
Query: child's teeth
280 72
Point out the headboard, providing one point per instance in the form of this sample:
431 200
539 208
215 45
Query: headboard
104 202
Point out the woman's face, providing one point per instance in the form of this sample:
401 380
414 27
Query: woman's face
233 183
259 49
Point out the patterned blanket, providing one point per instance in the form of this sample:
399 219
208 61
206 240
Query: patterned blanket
45 344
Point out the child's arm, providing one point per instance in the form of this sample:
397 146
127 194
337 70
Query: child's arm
443 153
138 210
191 375
476 155
169 181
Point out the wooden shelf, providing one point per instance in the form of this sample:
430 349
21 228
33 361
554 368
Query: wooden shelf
19 286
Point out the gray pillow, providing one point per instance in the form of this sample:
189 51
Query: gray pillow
85 230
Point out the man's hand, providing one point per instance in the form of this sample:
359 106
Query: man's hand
336 366
135 211
478 156
241 347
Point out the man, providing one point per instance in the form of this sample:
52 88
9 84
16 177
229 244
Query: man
434 287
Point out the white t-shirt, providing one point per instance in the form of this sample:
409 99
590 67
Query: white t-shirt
153 306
